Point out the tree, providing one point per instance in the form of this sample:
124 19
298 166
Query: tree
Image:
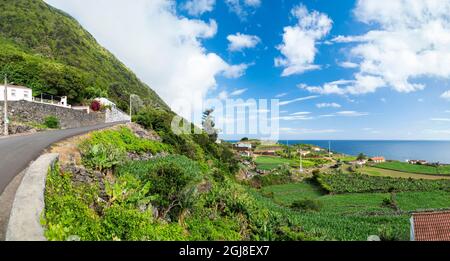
361 156
244 139
209 124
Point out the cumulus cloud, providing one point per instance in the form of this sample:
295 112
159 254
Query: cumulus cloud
411 40
299 41
348 65
238 42
198 7
162 47
328 105
446 95
361 85
240 7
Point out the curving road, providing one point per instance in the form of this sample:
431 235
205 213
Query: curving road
17 152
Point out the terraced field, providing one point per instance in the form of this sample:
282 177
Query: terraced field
354 216
413 168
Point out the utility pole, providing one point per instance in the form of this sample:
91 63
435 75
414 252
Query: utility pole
301 163
5 109
329 148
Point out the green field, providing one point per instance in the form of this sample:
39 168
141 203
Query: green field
270 162
412 168
354 216
398 174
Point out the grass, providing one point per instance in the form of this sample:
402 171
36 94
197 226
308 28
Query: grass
270 162
412 168
354 216
397 174
288 193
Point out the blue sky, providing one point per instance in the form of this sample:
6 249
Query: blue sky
372 69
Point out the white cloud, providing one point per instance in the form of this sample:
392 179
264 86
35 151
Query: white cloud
446 95
281 95
235 71
411 41
351 113
299 41
328 105
162 47
441 119
301 113
296 118
238 92
361 85
239 41
348 65
223 95
298 99
383 100
239 7
198 7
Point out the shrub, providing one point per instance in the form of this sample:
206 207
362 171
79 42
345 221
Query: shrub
387 233
96 105
306 205
173 179
102 156
51 122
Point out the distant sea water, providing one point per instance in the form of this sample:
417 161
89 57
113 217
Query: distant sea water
432 151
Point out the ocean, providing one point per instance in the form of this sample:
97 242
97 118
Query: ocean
432 151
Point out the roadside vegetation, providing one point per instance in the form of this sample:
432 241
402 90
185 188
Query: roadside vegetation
186 190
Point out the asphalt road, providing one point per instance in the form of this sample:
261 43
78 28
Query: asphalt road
17 152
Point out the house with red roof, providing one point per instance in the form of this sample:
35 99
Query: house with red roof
430 226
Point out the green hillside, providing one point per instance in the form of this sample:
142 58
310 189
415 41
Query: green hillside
47 50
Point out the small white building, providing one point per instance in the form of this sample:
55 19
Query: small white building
16 93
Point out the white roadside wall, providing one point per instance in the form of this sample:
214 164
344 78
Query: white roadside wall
114 115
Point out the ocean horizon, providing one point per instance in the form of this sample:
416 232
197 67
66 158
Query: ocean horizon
401 150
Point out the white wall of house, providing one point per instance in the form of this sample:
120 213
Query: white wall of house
16 93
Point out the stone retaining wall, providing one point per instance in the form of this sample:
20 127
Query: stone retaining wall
33 112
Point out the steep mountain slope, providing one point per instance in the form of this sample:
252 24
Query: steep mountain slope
46 49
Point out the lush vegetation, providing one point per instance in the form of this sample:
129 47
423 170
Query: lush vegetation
351 216
51 122
359 183
48 51
271 162
107 149
190 194
414 168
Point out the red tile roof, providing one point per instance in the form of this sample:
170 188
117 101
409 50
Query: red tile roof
432 226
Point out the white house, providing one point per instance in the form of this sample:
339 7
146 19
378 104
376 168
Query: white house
16 93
